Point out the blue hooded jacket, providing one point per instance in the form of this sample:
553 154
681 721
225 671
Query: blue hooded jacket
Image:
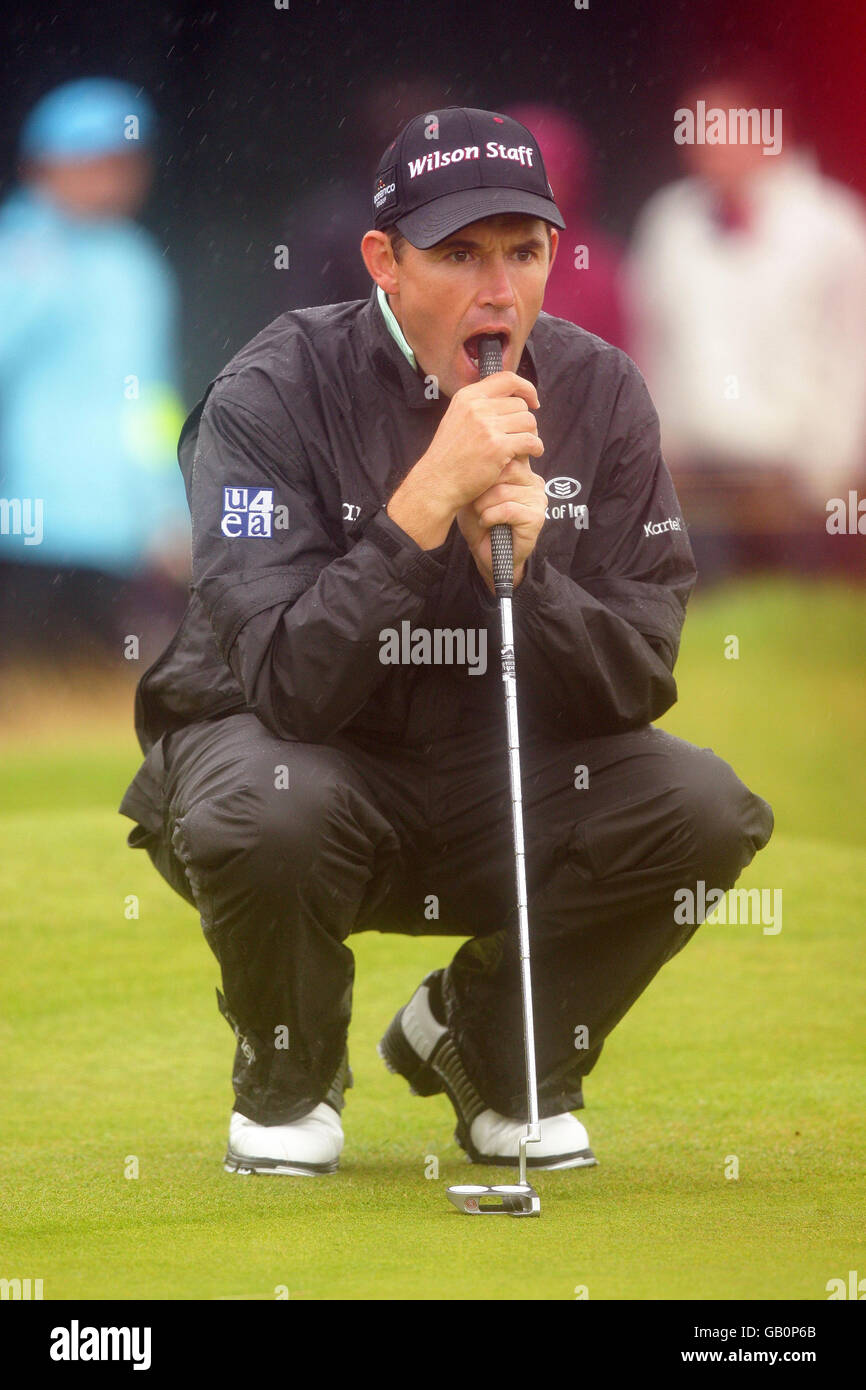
89 413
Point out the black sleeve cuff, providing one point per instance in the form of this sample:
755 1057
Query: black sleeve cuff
414 567
487 601
529 594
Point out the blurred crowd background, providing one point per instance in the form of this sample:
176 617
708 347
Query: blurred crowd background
155 161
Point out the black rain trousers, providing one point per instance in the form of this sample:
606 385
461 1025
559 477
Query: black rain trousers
287 848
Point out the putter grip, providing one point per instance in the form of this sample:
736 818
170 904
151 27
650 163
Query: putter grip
501 551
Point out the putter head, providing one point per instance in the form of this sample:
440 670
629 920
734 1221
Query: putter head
507 1199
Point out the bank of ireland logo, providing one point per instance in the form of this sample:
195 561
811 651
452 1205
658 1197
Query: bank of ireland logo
562 492
247 511
562 489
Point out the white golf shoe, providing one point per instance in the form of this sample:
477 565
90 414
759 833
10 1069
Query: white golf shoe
306 1148
564 1142
419 1047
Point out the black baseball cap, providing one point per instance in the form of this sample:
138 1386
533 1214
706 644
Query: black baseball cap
451 167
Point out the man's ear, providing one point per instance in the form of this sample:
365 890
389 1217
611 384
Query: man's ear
554 244
379 260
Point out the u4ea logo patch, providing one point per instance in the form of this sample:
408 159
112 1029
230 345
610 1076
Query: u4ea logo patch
247 511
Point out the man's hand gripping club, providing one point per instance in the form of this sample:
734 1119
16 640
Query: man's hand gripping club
477 469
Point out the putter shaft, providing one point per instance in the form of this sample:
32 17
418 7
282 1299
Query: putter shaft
533 1130
519 1200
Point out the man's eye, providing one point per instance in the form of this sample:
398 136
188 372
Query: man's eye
458 253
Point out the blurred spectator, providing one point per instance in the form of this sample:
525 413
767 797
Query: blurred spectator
748 292
585 282
325 225
94 529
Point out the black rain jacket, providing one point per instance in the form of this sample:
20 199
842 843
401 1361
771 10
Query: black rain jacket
289 460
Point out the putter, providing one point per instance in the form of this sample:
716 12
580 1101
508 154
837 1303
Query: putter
518 1199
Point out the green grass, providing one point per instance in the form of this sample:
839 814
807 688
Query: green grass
746 1045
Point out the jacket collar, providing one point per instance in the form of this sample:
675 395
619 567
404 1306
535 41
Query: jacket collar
392 368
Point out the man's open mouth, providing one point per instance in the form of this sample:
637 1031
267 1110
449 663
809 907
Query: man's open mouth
471 345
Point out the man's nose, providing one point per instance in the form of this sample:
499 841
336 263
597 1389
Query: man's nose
496 283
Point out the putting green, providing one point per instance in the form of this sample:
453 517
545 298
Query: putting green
742 1057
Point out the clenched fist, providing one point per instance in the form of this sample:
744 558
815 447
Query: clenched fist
516 498
488 426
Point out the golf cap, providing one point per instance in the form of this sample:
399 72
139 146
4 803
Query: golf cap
451 167
87 118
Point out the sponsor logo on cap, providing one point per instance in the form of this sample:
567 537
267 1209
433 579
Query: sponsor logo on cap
385 192
439 159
